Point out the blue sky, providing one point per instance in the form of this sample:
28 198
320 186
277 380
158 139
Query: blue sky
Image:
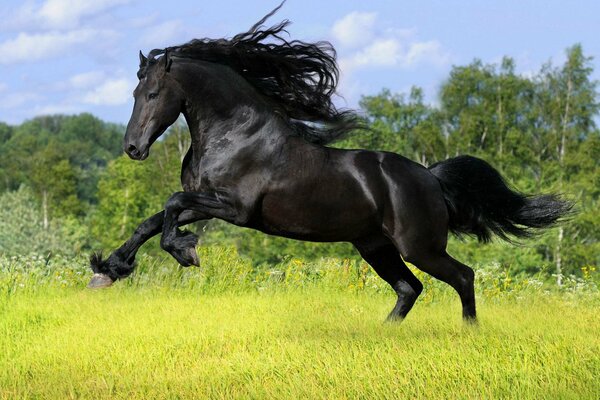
71 56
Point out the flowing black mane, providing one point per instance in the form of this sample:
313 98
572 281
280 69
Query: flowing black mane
300 78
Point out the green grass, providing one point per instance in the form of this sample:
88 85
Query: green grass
146 343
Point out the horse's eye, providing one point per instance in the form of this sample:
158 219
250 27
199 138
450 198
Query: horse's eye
153 95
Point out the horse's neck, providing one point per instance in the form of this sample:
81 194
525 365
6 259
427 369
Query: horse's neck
243 124
227 109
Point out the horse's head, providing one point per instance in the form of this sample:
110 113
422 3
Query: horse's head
158 103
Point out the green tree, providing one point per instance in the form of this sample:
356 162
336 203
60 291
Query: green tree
85 141
6 131
53 180
487 112
568 96
22 231
405 125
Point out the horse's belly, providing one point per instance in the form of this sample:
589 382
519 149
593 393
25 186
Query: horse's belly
303 218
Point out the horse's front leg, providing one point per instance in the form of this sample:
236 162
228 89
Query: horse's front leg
182 245
120 263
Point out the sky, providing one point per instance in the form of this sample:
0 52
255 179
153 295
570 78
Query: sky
73 56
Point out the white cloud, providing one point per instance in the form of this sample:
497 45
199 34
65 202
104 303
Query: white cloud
49 28
111 93
370 46
33 47
393 53
20 18
355 29
382 52
430 52
86 79
58 14
18 99
85 89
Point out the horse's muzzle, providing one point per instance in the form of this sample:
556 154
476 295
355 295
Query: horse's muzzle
136 153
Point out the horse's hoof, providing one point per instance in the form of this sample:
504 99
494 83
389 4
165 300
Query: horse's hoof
100 281
194 256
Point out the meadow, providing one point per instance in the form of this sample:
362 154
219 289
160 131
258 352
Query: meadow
300 330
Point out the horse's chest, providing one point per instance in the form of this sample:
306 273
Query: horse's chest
204 178
190 178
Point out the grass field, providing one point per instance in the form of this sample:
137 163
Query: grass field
145 343
298 330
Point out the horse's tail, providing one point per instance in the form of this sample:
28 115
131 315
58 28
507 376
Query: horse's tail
480 203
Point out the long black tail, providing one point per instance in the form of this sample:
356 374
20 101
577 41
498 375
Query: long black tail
480 203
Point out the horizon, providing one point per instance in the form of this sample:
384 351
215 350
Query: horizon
66 57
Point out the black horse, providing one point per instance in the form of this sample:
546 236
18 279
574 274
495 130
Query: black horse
259 110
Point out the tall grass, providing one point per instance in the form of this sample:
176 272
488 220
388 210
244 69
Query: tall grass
222 269
300 330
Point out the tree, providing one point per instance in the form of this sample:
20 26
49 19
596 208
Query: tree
486 109
85 141
53 180
22 233
6 131
403 125
569 98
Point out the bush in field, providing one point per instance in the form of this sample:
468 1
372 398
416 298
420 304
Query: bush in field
22 231
223 270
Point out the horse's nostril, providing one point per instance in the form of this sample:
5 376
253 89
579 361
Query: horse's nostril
131 149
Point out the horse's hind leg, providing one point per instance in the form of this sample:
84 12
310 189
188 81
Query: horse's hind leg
386 261
445 268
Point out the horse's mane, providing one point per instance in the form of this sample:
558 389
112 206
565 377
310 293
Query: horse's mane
299 78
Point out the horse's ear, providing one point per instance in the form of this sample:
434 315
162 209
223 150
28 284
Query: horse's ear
143 60
168 61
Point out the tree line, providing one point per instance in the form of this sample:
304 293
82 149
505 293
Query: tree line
65 185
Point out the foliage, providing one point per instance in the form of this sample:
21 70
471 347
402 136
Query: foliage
84 141
22 231
223 269
49 168
404 126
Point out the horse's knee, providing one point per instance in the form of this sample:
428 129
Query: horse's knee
179 240
409 290
166 242
468 276
468 273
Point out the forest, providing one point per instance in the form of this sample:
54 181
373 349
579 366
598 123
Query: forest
66 188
